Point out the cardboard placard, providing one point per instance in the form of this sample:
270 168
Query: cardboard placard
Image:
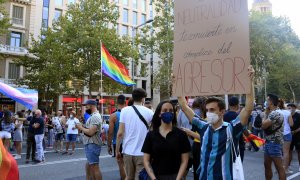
211 50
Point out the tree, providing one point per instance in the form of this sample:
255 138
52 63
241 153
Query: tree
159 38
84 26
4 20
273 44
70 51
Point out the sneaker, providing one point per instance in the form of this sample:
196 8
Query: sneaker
288 172
38 162
66 152
17 156
71 153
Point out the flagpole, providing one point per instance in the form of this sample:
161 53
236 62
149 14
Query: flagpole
101 80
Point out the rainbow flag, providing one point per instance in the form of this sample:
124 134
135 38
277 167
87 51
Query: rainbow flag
114 69
27 97
8 165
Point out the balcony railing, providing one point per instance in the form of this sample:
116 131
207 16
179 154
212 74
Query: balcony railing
6 49
17 21
11 82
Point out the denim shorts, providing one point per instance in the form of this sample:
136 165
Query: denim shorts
273 149
92 152
288 137
71 137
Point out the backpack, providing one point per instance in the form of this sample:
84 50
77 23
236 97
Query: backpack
257 121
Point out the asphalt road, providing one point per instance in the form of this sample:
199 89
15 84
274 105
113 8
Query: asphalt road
71 167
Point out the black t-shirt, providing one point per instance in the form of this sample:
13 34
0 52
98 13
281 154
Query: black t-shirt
230 116
39 130
296 118
166 152
50 123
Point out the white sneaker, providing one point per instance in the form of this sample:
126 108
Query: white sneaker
17 156
288 172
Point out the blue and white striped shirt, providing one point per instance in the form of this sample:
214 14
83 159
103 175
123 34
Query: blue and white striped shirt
216 161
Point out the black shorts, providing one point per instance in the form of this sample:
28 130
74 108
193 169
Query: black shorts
295 143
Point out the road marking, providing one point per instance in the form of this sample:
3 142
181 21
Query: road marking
59 162
48 151
293 176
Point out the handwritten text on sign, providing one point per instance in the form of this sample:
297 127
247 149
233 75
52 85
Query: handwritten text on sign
211 51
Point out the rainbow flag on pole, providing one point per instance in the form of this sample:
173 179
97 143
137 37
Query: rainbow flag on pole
27 97
114 69
8 165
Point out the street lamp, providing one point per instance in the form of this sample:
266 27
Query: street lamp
134 30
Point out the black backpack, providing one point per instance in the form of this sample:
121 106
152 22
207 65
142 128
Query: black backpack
258 120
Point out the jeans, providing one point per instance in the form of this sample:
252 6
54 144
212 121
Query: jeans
50 137
39 147
273 149
92 152
30 146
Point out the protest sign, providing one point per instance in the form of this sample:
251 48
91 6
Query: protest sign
211 50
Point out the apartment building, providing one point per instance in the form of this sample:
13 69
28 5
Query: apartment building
29 17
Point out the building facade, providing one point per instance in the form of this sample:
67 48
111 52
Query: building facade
262 6
29 17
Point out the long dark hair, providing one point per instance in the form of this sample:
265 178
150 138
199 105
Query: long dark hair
156 120
7 117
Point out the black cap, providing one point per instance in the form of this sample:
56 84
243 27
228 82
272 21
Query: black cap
90 102
292 105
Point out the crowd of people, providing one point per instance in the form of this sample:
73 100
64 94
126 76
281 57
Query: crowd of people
167 142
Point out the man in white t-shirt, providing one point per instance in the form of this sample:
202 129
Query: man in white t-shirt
72 132
133 131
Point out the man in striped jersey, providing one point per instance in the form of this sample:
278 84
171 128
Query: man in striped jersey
216 161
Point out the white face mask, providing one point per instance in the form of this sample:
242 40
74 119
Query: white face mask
71 116
212 118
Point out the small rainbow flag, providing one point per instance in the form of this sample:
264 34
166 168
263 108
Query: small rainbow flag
27 97
8 165
114 69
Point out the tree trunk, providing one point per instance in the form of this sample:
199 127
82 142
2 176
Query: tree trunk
293 93
90 85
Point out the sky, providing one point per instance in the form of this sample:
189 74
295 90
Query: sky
288 8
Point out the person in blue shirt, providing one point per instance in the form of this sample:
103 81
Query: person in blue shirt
114 120
216 153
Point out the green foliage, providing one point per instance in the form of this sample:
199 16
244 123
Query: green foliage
71 51
275 53
160 37
4 23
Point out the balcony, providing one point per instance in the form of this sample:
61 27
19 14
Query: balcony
11 50
23 1
17 21
10 82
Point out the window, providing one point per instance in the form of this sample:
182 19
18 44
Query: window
142 53
59 3
57 14
134 18
17 15
15 39
71 1
144 84
45 15
144 5
125 15
143 19
125 2
13 71
134 4
124 30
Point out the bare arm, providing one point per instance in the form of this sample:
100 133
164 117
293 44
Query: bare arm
183 165
246 112
191 133
119 138
91 131
148 167
186 109
112 120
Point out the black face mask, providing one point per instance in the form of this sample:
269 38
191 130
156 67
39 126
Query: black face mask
89 111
